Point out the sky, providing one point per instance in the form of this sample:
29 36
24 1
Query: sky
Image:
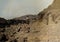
16 8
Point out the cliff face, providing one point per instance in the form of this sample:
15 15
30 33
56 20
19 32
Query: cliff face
44 29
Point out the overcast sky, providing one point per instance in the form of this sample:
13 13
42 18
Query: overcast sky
16 8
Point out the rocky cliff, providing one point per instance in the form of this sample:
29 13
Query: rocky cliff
44 27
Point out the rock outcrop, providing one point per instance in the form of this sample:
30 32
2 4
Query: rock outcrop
44 27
